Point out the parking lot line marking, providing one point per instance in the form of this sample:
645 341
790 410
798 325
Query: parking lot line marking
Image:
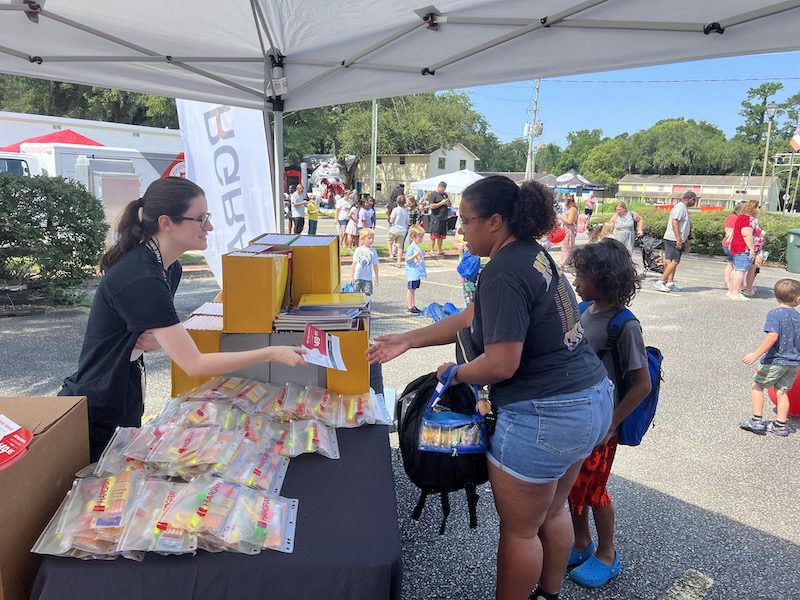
692 585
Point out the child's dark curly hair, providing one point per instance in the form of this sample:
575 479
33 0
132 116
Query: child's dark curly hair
528 210
608 265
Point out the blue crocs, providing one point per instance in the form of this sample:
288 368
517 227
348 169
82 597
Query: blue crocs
594 573
578 558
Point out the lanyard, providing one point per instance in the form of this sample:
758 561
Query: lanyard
154 248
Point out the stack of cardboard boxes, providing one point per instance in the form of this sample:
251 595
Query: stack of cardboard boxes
259 281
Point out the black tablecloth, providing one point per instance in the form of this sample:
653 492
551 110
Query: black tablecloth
347 543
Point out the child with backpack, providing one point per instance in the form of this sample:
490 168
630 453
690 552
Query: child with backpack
606 279
415 266
779 364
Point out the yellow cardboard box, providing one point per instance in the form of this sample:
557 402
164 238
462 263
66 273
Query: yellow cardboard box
353 345
206 331
315 262
253 287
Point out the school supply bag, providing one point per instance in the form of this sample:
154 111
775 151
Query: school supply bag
469 266
443 441
632 429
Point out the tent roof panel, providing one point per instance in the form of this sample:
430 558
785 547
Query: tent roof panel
339 52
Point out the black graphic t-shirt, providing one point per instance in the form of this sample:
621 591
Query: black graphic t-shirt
556 357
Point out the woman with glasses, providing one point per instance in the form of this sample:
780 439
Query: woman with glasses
133 310
554 398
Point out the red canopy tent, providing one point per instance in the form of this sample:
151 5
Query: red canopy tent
63 136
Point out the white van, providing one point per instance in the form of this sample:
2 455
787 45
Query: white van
15 163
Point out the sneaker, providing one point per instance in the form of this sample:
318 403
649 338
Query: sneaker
781 431
738 297
661 286
759 427
414 310
673 288
748 294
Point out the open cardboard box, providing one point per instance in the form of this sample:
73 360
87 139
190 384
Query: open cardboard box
34 486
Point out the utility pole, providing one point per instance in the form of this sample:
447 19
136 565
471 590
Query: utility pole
771 109
791 168
533 130
374 146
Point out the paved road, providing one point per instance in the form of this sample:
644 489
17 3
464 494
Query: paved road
704 509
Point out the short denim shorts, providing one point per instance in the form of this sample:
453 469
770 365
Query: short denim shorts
538 440
742 261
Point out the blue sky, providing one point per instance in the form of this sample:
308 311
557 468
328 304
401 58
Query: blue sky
591 101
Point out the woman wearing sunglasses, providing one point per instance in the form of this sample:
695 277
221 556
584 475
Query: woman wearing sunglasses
133 310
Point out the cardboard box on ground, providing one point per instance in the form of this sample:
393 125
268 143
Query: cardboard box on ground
34 486
258 282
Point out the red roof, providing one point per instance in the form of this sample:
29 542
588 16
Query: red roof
63 136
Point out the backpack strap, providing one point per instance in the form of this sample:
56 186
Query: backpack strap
472 504
417 512
444 497
615 327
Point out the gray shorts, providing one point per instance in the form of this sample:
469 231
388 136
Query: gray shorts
671 252
363 285
779 376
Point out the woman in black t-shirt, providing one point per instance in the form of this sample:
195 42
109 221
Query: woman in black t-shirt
554 398
133 310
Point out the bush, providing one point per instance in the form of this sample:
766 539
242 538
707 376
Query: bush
709 228
51 224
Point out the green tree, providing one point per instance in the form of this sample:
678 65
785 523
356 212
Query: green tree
548 158
55 98
579 144
754 111
607 162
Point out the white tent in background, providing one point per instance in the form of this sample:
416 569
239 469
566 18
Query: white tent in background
457 181
273 56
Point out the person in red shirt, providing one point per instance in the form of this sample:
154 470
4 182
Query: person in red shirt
730 221
742 248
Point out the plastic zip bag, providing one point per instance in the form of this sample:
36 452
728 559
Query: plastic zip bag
113 460
308 437
258 466
323 405
258 521
355 410
146 531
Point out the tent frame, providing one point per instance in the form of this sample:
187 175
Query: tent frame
429 18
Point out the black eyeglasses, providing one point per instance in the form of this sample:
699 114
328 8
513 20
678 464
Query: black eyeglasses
203 219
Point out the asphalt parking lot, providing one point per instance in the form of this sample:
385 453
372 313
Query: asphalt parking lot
704 509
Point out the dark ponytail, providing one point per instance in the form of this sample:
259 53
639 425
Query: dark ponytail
528 210
169 196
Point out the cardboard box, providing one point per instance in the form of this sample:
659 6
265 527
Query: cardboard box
315 262
237 342
206 331
306 374
353 345
253 288
34 486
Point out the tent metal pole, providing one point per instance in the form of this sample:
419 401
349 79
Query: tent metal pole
348 62
374 163
147 52
277 136
759 13
544 22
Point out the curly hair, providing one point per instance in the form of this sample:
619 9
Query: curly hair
608 265
528 209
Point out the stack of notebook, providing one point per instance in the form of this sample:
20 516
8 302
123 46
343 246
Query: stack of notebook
335 301
329 312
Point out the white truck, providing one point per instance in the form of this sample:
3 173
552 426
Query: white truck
116 175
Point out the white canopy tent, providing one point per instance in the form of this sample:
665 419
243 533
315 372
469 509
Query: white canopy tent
238 51
457 181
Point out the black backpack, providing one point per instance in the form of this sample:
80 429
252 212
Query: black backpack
438 472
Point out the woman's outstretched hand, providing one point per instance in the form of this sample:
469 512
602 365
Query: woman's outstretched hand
288 355
387 347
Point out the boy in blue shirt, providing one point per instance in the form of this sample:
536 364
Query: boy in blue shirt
779 365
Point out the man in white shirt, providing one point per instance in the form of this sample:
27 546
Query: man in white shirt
676 240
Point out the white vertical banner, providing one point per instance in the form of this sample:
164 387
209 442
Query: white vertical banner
226 155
